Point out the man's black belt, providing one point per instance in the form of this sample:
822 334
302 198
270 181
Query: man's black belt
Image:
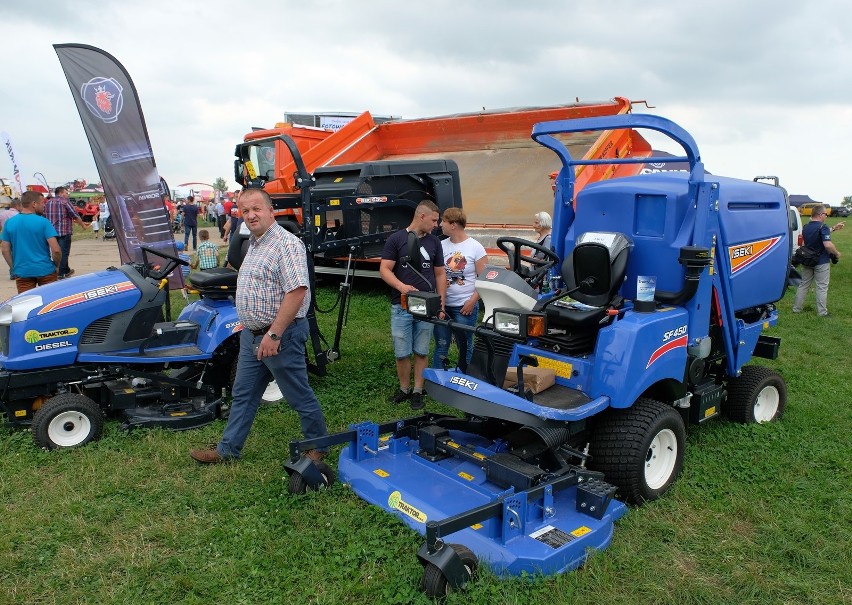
263 331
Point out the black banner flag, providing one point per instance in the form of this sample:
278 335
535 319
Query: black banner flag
112 118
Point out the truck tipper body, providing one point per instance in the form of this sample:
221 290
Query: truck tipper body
504 175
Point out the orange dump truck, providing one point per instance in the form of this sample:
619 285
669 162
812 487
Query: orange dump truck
504 176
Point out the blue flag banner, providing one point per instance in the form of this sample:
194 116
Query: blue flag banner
112 119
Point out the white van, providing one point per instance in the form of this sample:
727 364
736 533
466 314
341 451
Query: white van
795 220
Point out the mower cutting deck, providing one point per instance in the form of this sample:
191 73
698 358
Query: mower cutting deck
512 496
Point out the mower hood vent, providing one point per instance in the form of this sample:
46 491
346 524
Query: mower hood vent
97 332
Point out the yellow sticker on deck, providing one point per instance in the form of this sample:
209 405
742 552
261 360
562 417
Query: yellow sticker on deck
396 502
465 476
478 455
562 369
453 444
580 531
381 473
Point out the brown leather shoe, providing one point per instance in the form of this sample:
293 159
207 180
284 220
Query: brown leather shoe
315 455
207 456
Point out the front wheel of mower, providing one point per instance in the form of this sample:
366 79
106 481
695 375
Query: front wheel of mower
434 583
67 420
757 395
639 449
298 485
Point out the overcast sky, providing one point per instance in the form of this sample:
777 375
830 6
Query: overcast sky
764 86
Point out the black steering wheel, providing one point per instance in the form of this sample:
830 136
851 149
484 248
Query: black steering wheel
535 269
175 262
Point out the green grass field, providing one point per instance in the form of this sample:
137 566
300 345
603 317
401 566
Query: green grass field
761 514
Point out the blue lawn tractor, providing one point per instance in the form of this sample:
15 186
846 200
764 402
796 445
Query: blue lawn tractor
101 344
642 318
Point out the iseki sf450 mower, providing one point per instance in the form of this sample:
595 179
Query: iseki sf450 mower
587 368
75 351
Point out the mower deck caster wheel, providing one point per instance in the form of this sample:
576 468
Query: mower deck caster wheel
434 583
67 420
298 484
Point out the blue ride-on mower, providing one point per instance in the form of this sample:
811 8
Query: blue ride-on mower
588 366
76 351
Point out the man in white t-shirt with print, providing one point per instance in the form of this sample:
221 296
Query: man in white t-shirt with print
464 259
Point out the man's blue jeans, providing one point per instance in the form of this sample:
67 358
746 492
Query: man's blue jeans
64 242
444 335
290 372
186 230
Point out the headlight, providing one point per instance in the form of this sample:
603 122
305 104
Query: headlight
520 324
18 308
422 304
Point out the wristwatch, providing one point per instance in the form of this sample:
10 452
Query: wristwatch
273 336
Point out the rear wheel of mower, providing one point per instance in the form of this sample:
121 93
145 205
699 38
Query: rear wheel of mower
435 584
757 395
298 485
640 449
67 420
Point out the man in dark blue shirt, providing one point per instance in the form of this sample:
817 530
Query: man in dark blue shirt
190 222
817 236
398 271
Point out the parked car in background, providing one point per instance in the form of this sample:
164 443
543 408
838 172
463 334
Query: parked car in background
795 220
840 211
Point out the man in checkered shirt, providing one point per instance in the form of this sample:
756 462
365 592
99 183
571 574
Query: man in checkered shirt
273 298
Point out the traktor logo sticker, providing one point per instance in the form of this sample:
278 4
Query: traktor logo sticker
81 297
396 502
33 336
743 255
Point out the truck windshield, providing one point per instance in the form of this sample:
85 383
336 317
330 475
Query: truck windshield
263 158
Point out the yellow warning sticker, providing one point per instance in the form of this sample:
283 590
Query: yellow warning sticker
562 369
709 411
334 202
396 502
580 531
476 526
452 443
381 473
478 455
465 476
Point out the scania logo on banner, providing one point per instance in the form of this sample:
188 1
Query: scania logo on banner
103 98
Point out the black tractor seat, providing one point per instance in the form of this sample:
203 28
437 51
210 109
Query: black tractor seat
219 282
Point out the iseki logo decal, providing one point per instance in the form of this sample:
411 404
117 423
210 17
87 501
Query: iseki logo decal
80 297
103 98
464 382
743 255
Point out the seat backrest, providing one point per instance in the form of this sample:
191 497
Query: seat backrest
599 259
